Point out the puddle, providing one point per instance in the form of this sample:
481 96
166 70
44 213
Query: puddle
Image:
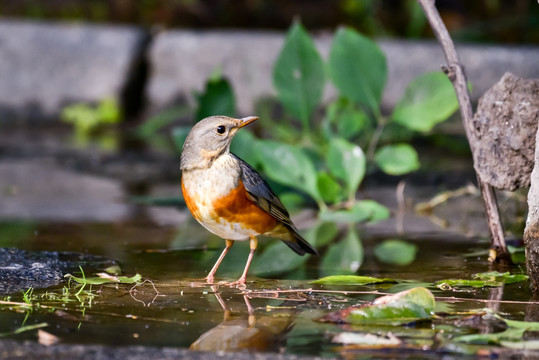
176 309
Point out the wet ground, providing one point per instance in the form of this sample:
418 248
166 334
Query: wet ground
50 202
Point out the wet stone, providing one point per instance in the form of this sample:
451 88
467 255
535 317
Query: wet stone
20 269
46 66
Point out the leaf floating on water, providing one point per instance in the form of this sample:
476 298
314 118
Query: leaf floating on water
103 278
351 280
397 309
449 284
513 337
486 279
506 277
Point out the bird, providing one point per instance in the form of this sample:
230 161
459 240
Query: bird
228 196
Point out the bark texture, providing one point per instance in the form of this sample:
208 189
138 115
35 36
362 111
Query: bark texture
531 233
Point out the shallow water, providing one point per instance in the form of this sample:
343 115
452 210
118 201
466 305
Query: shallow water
276 314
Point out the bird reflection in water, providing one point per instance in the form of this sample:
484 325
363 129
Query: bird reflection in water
254 333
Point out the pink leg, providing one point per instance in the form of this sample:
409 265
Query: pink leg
253 242
210 277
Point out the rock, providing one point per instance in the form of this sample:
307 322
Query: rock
181 61
46 66
505 126
20 269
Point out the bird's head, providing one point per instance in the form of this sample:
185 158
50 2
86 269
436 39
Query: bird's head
209 139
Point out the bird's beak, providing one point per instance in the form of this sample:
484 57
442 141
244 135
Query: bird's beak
247 120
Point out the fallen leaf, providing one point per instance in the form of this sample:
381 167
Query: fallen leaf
351 280
397 309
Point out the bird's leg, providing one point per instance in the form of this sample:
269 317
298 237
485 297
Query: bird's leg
251 320
211 275
253 242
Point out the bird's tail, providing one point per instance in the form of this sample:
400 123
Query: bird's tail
298 243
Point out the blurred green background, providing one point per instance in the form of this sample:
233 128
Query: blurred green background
515 21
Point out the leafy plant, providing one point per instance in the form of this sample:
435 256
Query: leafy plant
87 119
217 98
326 161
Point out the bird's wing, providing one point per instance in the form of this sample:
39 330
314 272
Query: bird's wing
260 193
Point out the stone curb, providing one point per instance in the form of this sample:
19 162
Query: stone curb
46 66
182 61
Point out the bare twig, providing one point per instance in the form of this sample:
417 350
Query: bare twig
455 72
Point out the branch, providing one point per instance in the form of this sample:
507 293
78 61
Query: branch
455 72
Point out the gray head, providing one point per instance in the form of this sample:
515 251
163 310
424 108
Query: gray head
209 139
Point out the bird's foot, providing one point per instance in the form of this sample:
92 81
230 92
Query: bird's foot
238 284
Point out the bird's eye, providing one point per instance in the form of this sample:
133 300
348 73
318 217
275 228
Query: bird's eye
221 129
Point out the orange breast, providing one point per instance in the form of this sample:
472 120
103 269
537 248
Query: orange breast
237 208
191 204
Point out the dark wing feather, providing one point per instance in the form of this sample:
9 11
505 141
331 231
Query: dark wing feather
260 193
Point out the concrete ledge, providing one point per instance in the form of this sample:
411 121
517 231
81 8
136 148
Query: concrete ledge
44 66
182 61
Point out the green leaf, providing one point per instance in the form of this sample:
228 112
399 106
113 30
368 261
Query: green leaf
104 278
243 144
321 234
401 308
179 134
361 211
344 257
344 119
277 259
396 252
375 210
298 74
347 216
329 189
397 159
351 280
109 111
24 329
486 279
217 99
512 337
505 277
397 309
448 284
152 125
428 100
347 162
358 68
292 201
288 165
